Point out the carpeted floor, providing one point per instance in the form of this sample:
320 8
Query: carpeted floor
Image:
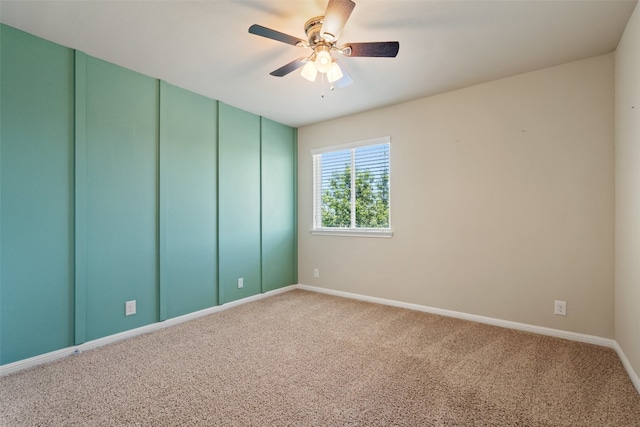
308 359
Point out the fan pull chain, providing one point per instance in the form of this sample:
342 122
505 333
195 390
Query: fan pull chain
331 88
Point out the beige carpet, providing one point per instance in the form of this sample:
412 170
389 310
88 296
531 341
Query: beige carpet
307 359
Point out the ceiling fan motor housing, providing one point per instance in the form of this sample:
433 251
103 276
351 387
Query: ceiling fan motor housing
312 29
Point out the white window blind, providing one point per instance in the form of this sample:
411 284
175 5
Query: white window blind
351 188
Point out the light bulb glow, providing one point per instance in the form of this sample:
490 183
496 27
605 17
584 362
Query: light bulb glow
309 71
323 61
334 73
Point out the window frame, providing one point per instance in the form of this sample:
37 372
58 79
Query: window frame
317 199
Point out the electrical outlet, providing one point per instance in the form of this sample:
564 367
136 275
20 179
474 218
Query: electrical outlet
240 283
560 308
130 308
316 273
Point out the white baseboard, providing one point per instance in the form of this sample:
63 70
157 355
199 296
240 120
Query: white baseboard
472 317
68 351
627 365
573 336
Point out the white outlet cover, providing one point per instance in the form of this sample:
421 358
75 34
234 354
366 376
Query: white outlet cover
560 308
316 273
130 308
240 283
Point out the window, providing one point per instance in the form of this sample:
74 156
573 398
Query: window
351 189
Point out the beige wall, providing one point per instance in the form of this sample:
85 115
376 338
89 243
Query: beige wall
627 267
502 200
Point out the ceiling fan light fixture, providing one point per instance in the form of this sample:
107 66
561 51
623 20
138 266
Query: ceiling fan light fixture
309 71
334 73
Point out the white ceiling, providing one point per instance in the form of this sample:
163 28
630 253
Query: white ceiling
204 46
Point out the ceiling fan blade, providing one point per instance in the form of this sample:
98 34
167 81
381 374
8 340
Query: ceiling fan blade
378 49
291 66
336 15
346 79
259 30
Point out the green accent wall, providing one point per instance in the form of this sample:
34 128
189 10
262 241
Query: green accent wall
279 238
188 201
116 186
36 206
239 209
121 196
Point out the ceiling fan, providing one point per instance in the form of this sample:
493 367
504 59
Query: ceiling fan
322 38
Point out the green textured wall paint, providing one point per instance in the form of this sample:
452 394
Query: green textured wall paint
239 203
278 205
115 186
121 199
188 208
36 209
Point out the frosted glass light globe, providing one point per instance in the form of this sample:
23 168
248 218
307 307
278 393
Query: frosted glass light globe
323 61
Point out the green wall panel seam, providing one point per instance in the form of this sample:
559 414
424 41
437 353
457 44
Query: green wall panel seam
217 199
1 30
80 160
162 205
295 205
219 278
262 275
